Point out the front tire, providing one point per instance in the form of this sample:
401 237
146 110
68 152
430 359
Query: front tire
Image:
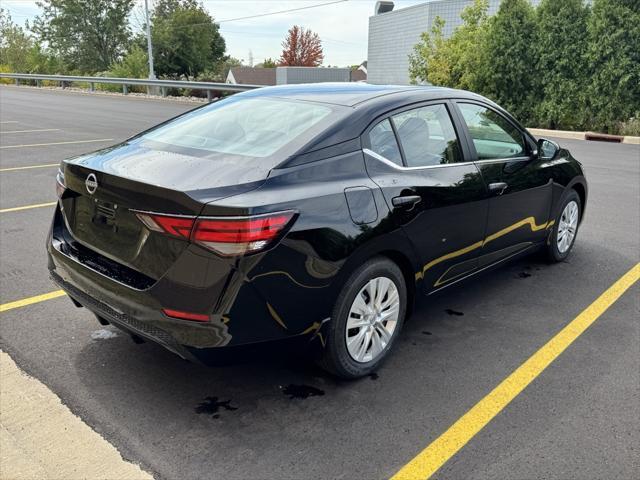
366 320
565 228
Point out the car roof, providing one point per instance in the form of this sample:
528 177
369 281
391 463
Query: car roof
346 94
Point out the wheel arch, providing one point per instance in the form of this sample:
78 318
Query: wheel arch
581 190
396 248
409 274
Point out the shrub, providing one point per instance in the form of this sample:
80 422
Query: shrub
133 65
631 126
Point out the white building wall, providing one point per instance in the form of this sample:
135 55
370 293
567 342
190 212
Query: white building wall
392 36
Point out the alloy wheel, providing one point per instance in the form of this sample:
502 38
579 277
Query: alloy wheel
372 319
568 226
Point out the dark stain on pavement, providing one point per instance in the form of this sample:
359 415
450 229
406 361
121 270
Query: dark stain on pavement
454 312
424 332
302 391
524 274
211 406
373 376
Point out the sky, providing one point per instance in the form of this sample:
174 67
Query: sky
342 26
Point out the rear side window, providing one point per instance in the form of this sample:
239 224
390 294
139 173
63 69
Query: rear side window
383 141
492 135
256 127
427 136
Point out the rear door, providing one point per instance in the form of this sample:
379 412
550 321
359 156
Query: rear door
519 185
435 195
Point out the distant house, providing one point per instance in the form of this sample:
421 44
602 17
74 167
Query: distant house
293 75
360 73
252 76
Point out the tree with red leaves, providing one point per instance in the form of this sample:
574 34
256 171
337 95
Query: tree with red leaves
301 48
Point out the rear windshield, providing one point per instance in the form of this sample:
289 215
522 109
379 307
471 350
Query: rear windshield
251 127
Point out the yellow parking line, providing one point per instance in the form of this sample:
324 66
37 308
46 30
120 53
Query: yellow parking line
12 169
57 143
31 300
429 460
27 207
32 131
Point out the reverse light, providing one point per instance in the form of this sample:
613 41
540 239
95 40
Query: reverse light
226 236
60 185
195 317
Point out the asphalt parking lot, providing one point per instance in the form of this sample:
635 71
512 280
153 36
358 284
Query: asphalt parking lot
280 418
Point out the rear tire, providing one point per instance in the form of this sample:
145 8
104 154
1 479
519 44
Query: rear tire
366 320
565 229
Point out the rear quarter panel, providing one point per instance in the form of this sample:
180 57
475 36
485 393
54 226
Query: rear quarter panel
298 280
567 173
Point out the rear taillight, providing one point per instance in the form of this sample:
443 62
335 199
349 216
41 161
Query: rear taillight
240 235
60 185
227 236
177 226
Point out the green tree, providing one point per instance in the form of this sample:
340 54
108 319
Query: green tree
467 60
614 62
456 61
87 35
40 60
133 65
430 61
15 44
509 66
561 48
186 41
268 63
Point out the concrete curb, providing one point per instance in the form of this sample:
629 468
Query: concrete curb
41 438
544 132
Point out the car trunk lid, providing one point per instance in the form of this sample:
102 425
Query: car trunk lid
105 190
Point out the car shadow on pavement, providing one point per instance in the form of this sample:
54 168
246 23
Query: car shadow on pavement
177 412
141 376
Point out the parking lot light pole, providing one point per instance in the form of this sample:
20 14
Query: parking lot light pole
152 74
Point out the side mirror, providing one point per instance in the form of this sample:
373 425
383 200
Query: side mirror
548 149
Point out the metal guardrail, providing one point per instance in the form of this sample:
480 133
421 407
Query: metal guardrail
127 82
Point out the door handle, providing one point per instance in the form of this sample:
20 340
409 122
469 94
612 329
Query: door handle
498 188
406 200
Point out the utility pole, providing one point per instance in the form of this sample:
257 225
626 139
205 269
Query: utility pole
152 73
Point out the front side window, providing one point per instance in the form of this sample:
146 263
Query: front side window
492 135
383 142
427 136
256 127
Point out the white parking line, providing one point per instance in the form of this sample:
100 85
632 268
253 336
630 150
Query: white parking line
57 143
12 169
32 131
8 121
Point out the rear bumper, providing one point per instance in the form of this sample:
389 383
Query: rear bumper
239 314
122 320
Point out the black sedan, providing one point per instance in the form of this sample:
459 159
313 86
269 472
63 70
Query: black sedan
315 212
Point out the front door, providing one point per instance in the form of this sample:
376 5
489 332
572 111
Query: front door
437 197
519 186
